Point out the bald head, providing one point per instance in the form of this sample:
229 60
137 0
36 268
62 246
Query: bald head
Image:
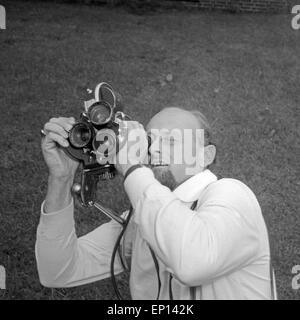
178 118
174 117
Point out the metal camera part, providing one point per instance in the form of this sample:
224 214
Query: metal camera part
81 134
76 189
100 113
105 92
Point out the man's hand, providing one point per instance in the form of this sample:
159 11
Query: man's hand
60 165
134 146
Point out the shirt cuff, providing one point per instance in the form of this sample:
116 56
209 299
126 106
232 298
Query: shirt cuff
137 182
58 223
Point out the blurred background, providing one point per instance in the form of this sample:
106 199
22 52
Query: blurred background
236 61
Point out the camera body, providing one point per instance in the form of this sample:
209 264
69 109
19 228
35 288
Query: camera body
95 139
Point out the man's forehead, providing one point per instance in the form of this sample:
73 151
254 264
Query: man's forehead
165 132
173 118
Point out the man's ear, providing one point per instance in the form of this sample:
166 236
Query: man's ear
209 154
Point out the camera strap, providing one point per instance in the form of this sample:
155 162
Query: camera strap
272 277
117 249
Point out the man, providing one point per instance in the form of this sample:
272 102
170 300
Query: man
191 236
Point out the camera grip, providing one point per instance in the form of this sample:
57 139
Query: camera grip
89 181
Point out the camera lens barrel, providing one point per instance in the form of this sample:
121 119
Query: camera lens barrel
100 113
81 135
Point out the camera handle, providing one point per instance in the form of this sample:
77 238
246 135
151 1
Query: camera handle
77 190
108 212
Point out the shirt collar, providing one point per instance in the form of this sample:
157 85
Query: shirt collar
191 189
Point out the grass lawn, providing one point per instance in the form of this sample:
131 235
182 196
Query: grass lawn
242 71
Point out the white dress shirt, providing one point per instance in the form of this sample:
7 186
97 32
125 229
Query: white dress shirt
218 251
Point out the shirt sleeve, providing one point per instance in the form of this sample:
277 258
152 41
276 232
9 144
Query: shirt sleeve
196 246
63 260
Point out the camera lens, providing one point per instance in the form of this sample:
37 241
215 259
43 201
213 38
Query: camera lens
100 113
80 135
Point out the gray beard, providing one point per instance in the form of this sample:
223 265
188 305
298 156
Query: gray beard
165 177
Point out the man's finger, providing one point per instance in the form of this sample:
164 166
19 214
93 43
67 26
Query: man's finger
58 139
56 128
66 123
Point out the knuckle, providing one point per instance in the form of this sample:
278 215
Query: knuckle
47 126
60 121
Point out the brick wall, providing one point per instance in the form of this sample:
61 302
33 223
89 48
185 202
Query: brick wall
267 6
